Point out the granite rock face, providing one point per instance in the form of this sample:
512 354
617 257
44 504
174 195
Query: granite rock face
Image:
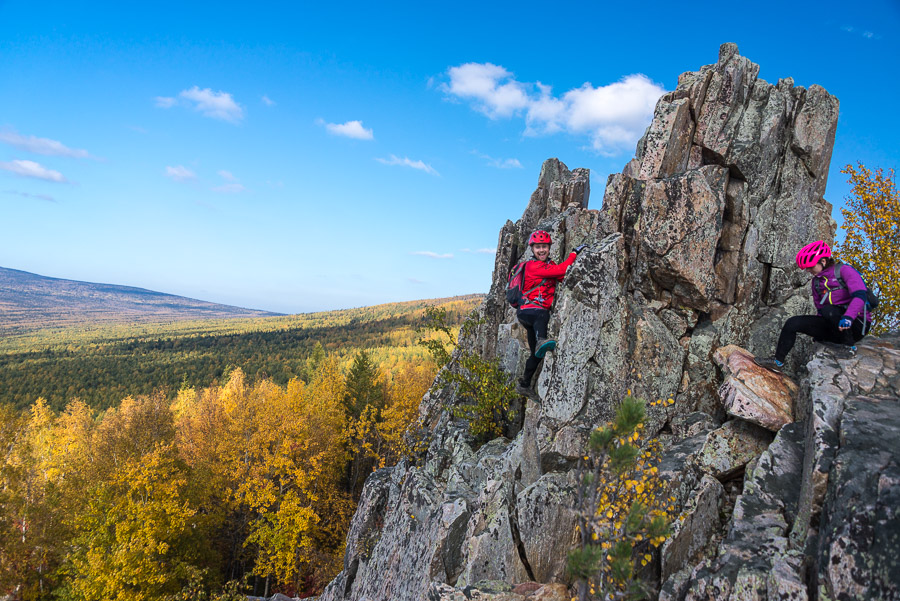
692 250
837 467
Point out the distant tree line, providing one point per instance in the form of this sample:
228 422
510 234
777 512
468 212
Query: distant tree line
136 362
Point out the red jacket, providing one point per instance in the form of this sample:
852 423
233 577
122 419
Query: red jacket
540 282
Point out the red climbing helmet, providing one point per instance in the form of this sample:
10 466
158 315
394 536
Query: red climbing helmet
810 254
539 237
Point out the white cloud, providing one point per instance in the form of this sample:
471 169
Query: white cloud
407 162
499 163
480 251
267 101
613 116
495 92
227 175
431 255
165 102
415 281
43 146
46 197
32 169
216 105
180 173
350 129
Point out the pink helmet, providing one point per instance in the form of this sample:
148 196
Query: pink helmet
810 254
539 237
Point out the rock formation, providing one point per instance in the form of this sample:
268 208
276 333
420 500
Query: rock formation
692 250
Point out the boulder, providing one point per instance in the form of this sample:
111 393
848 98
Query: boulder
731 447
753 393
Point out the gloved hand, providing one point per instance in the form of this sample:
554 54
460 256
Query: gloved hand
580 248
844 323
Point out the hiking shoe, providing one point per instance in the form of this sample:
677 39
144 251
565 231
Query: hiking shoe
544 345
771 363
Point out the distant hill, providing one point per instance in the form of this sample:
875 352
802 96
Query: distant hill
103 363
29 301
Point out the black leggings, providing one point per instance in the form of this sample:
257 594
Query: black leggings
822 328
535 323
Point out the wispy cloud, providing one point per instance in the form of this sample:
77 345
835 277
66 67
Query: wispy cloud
432 255
869 35
407 162
45 197
499 163
267 101
480 251
231 186
165 102
215 105
613 116
44 146
31 169
350 129
415 281
180 173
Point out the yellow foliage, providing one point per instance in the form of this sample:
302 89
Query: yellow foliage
872 243
277 455
621 504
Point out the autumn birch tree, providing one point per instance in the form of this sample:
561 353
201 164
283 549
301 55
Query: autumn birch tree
872 243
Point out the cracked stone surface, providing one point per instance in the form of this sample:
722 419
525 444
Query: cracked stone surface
692 249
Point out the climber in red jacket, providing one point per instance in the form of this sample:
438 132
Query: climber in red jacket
539 285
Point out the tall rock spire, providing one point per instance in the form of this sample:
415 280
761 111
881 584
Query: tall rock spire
692 249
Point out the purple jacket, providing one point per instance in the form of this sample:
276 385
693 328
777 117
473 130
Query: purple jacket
827 290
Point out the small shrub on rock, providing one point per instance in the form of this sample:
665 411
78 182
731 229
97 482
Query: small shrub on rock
483 390
623 512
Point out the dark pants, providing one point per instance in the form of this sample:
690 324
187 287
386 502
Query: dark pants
535 323
822 328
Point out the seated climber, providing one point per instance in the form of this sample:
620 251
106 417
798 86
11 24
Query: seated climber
539 285
843 315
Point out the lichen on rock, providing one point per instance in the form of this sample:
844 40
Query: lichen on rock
692 250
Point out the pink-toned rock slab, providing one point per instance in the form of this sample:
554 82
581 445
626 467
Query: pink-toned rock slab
526 588
551 592
754 393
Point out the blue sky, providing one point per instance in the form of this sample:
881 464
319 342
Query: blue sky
307 156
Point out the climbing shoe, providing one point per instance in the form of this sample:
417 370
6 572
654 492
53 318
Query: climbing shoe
771 363
544 345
